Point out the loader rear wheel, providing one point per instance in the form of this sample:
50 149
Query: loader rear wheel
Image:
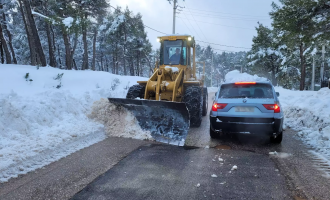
136 91
194 102
205 101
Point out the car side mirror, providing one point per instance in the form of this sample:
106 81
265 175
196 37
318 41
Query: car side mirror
277 94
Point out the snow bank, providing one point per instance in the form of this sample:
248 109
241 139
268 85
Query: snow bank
236 76
308 112
43 114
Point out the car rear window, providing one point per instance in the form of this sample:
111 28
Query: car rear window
258 91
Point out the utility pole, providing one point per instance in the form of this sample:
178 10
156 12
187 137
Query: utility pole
174 13
322 67
313 75
212 71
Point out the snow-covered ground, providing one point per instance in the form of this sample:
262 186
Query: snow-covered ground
43 116
307 112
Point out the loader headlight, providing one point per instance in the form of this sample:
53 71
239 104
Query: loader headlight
158 39
189 38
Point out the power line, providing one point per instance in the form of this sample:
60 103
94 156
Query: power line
223 45
193 27
228 16
220 49
208 11
220 24
196 40
143 23
231 18
154 29
196 23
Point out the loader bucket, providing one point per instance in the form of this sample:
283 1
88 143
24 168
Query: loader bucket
168 122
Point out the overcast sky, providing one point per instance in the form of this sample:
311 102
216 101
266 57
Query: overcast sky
225 22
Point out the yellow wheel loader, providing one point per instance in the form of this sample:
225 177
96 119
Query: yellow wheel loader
173 99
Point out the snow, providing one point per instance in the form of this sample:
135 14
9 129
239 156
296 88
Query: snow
234 168
212 89
68 22
174 69
236 76
40 124
118 20
308 112
214 176
40 15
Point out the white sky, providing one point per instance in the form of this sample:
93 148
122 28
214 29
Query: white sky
208 20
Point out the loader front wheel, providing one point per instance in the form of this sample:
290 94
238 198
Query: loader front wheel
205 101
194 102
136 91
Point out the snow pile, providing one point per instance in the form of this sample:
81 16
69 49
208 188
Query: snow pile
308 112
174 69
43 114
117 122
236 76
212 89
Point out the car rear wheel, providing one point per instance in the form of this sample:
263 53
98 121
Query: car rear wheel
213 134
278 139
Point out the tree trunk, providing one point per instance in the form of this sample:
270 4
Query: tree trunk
54 43
94 49
84 32
51 51
303 67
52 61
125 40
75 42
1 53
5 47
59 57
34 31
113 63
33 54
68 60
9 38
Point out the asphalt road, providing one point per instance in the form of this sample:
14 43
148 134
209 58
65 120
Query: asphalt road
169 172
118 168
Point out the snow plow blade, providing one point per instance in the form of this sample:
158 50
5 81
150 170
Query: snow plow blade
168 122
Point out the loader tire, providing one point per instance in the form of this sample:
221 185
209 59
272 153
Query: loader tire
205 101
136 91
194 102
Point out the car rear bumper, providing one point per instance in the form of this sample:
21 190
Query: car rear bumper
252 125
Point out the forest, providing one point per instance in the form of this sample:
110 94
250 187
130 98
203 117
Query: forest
94 35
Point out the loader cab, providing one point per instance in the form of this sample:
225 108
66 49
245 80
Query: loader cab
176 50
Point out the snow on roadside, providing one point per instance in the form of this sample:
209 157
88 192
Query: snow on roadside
44 117
308 112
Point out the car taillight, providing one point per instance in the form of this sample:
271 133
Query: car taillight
217 106
274 107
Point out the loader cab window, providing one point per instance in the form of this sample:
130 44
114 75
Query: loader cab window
174 52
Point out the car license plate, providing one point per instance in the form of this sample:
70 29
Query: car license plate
244 109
